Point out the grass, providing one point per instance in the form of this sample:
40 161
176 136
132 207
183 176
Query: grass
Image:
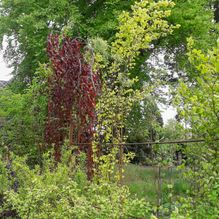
142 182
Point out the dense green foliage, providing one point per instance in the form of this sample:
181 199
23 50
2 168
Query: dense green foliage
200 110
26 25
24 117
64 192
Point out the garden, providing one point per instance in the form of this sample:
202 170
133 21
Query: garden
82 129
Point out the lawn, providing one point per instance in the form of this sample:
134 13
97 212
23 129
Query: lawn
142 182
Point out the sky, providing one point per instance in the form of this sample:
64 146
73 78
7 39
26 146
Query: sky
167 112
4 70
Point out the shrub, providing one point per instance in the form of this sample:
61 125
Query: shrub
62 191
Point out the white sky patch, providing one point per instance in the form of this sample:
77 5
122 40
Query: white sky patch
167 112
5 72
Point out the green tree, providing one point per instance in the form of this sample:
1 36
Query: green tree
200 109
143 121
200 98
26 25
196 19
24 118
173 130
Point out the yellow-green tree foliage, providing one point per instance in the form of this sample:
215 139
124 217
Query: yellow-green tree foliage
200 99
200 109
138 29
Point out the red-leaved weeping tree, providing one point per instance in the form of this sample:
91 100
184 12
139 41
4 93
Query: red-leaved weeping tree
73 90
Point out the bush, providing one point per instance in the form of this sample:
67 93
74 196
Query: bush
64 192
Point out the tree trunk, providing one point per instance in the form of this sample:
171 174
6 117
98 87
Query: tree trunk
216 12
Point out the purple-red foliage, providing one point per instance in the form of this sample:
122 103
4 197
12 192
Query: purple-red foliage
73 91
